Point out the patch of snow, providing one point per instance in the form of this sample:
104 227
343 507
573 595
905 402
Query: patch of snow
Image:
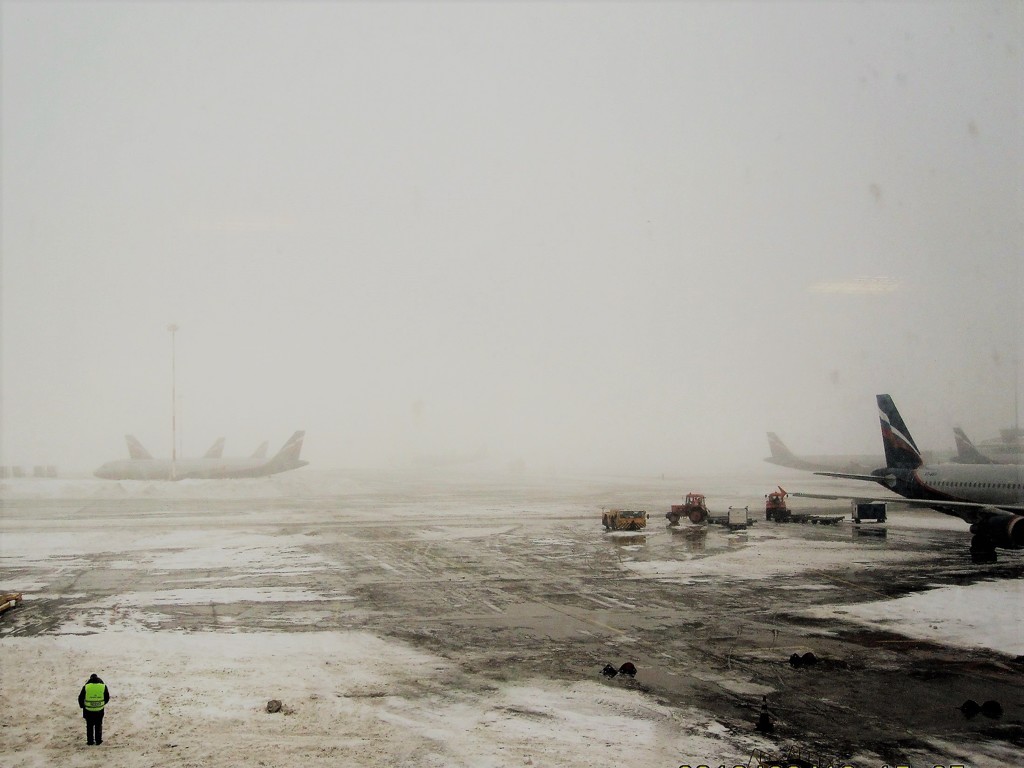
988 614
765 556
353 698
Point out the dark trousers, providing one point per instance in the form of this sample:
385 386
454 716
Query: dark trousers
93 726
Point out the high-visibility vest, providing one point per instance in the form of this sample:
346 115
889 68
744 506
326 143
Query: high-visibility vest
94 696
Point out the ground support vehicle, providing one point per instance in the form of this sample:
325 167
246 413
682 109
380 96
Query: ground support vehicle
623 519
867 510
800 517
775 508
738 518
9 600
693 508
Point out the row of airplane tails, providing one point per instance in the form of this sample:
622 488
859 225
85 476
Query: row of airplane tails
1001 452
141 465
988 496
137 451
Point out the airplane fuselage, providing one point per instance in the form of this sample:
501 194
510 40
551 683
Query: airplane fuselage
996 485
206 469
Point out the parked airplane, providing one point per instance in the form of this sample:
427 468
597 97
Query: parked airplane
782 456
145 467
1008 448
989 497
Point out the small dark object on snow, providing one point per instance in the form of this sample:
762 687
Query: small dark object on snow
970 708
273 706
809 659
992 709
795 660
628 669
609 671
764 720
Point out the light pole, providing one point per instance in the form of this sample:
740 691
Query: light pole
173 328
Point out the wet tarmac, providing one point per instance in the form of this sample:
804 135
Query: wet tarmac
513 587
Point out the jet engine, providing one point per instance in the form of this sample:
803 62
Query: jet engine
1002 529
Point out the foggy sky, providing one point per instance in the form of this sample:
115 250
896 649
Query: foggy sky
603 237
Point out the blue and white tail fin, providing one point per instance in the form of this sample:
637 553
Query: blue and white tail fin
900 449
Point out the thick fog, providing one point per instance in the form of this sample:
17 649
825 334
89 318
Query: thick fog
602 237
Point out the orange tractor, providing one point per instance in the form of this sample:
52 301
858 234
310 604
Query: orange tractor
775 506
693 507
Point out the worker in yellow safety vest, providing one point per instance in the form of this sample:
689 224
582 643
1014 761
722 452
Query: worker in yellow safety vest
92 699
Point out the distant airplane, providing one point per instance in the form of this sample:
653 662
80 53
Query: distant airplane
784 457
989 497
1008 448
261 452
142 466
966 453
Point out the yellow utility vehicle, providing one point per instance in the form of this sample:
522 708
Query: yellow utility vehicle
623 519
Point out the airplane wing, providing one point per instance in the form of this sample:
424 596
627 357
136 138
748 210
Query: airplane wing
933 503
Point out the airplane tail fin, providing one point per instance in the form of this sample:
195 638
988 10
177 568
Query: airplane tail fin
900 449
966 452
288 456
261 452
216 450
135 449
779 450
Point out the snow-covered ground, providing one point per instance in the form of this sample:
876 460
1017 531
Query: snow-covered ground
350 698
768 556
198 698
